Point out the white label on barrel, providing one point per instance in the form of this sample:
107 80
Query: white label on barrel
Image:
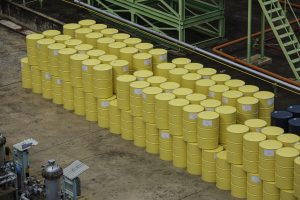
225 100
246 107
209 109
268 152
270 101
138 91
258 130
144 96
211 94
84 68
105 104
125 68
140 79
255 179
58 81
207 123
163 57
47 76
193 116
165 135
55 53
147 62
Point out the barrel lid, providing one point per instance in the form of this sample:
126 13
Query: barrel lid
45 41
24 60
79 57
232 94
270 144
169 85
121 36
95 52
205 82
133 40
165 96
143 73
117 45
281 114
84 47
67 51
219 88
235 83
126 78
157 79
191 76
97 27
238 128
73 42
130 50
91 62
142 56
152 90
210 103
255 123
139 84
182 91
144 46
178 71
297 146
56 46
94 35
294 108
247 100
102 67
207 71
83 30
51 33
71 26
263 95
106 40
221 77
297 160
62 37
178 102
108 57
225 110
222 155
181 61
288 138
35 36
272 130
87 22
193 66
218 149
254 137
109 31
210 115
119 63
113 102
196 97
167 66
193 108
157 52
287 152
295 122
248 89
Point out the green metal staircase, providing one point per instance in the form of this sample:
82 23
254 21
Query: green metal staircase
278 21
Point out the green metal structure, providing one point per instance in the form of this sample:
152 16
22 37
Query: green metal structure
178 18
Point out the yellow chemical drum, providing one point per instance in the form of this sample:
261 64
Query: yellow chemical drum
86 22
46 85
189 80
103 111
223 171
163 69
194 159
193 67
230 97
76 69
158 56
142 61
64 56
162 110
50 34
169 87
182 92
238 181
69 29
126 125
247 108
68 95
57 90
221 78
203 85
227 118
165 145
123 91
254 187
62 38
210 104
270 191
195 98
175 75
83 48
79 101
144 47
251 151
179 152
149 94
25 73
42 53
107 58
131 42
136 97
209 164
31 46
297 177
272 132
248 90
91 113
155 81
152 139
92 38
266 167
36 79
127 53
95 53
109 32
181 62
81 33
120 37
189 122
87 74
115 47
216 91
72 43
143 75
53 59
234 84
102 81
208 129
266 104
287 195
98 27
288 139
175 115
102 43
255 125
139 132
206 73
234 142
114 117
119 67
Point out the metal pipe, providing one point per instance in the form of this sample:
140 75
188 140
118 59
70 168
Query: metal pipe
249 31
196 49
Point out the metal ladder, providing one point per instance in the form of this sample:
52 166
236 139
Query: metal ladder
283 32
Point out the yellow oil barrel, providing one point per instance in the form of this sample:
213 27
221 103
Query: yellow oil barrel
64 56
266 98
158 56
126 125
189 122
210 104
36 79
42 48
79 101
169 87
175 115
297 176
142 75
194 159
208 129
127 53
284 167
216 91
195 98
189 80
95 53
62 38
46 85
98 27
123 91
50 34
193 67
163 69
25 73
202 86
139 132
119 67
209 164
247 108
68 95
287 195
175 75
53 64
221 78
223 171
255 125
86 23
297 146
69 29
149 94
136 97
114 117
57 90
248 90
227 118
155 81
92 38
238 181
165 145
107 58
179 152
162 110
234 84
102 81
144 47
102 43
103 111
120 37
81 33
234 142
72 43
230 97
142 61
91 112
254 187
31 46
76 69
87 74
288 139
83 48
182 92
181 62
115 47
152 138
266 167
109 32
206 73
131 42
270 191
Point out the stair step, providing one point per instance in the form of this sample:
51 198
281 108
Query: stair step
278 18
274 10
290 43
294 51
296 60
286 35
270 2
282 26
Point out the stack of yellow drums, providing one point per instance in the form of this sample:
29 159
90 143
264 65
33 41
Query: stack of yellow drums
234 84
50 34
136 97
57 90
254 187
195 98
266 105
126 125
181 62
238 181
120 67
270 191
179 152
206 73
90 107
114 117
31 45
42 53
143 75
210 104
193 67
165 145
72 43
162 110
169 86
272 132
255 125
288 139
102 43
149 94
68 95
230 97
83 48
127 54
103 111
98 27
76 69
62 38
221 78
142 61
209 164
139 132
91 38
155 81
109 32
95 53
158 56
189 80
247 108
86 23
46 85
69 29
64 63
175 115
194 159
131 42
25 73
216 91
182 92
123 91
53 58
79 101
107 58
203 85
248 90
102 81
175 75
144 47
152 138
115 47
87 75
223 171
297 177
81 32
120 37
163 69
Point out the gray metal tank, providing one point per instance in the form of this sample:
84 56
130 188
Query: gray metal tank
2 149
53 180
